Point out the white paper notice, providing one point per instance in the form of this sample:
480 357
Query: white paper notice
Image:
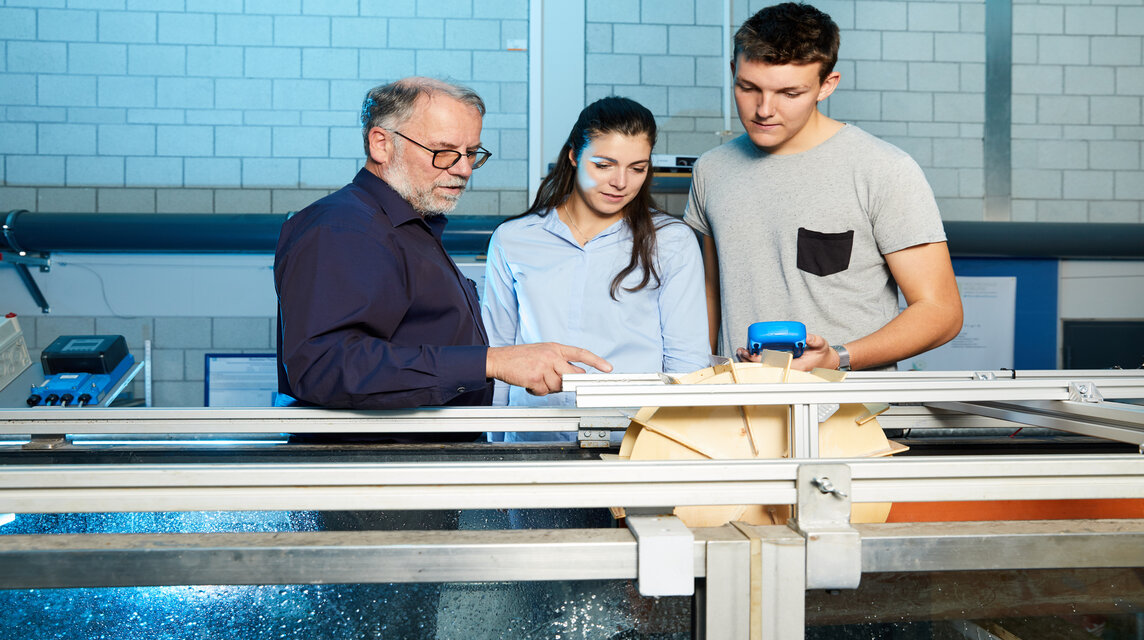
986 339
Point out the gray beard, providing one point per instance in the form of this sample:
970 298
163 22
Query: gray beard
423 201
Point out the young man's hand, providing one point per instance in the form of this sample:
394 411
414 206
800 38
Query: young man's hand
539 367
818 354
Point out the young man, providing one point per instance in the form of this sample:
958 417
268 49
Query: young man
809 219
372 313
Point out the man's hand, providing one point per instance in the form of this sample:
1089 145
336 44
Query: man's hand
539 367
817 354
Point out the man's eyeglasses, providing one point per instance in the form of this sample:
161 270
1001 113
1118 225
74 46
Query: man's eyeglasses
446 158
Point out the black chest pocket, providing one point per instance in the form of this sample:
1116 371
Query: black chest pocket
824 254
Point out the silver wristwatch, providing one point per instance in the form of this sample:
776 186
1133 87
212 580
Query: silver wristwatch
843 357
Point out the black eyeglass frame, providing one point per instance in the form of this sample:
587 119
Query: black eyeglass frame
477 158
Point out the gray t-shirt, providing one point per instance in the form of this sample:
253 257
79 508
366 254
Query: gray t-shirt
801 236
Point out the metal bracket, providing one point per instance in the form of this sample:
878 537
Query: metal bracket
1084 392
595 431
833 547
665 563
984 375
20 260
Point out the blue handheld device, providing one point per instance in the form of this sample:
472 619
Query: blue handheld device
782 335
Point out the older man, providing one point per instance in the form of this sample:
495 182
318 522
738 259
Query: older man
372 313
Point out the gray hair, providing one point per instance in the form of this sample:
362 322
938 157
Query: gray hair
388 106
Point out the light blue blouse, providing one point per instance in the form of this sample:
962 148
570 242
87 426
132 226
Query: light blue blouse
542 286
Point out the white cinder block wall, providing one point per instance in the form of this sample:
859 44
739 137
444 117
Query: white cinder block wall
250 106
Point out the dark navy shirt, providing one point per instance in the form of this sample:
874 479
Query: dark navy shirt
372 313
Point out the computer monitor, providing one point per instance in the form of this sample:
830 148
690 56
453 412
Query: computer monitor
240 380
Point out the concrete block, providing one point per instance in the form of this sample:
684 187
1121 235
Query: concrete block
357 32
1038 79
326 173
1090 80
684 143
882 76
25 56
473 34
1093 21
245 30
440 63
1116 50
668 12
1038 19
48 328
944 182
606 68
66 25
112 200
500 66
301 31
242 200
17 24
182 333
1131 20
244 93
1025 49
918 148
445 8
612 11
641 38
287 200
186 93
187 28
884 16
956 152
251 142
301 142
212 172
194 364
1129 186
156 60
126 91
1130 81
961 208
907 106
378 66
346 142
513 201
273 62
1072 50
1062 211
32 115
65 200
667 70
166 364
513 97
933 76
1067 110
94 171
170 116
300 94
709 71
110 59
269 172
18 197
20 88
215 62
861 45
695 101
126 140
1062 154
973 18
1114 154
479 203
274 7
959 107
1088 185
416 33
513 144
155 172
971 183
65 139
514 32
215 6
841 11
185 140
855 105
176 393
128 26
505 174
503 9
133 330
597 38
330 7
935 130
1036 132
972 77
1036 183
654 98
1114 211
907 45
959 47
933 16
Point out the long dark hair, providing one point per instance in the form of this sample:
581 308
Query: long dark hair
608 115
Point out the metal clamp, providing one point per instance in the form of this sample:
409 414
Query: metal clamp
833 547
665 564
595 431
1084 392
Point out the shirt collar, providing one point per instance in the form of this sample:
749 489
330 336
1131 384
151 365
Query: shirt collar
554 225
393 206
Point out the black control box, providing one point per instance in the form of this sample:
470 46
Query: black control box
83 354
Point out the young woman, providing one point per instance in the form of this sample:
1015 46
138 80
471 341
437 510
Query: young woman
593 263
